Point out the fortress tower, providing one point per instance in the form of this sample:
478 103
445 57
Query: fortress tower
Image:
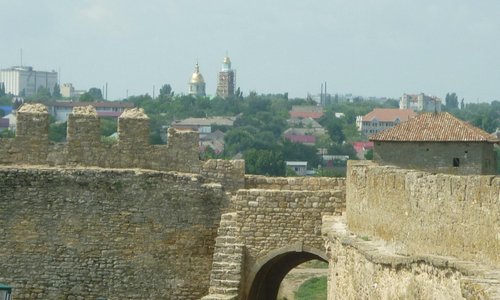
227 79
197 83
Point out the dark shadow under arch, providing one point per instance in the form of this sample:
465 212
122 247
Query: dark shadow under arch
266 282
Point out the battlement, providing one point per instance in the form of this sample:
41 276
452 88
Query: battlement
84 146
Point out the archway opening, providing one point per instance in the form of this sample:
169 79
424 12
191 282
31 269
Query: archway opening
267 280
307 281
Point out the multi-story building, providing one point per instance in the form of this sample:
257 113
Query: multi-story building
197 83
382 118
24 81
68 91
420 102
61 109
227 79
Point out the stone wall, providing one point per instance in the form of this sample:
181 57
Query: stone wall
84 147
423 213
472 158
263 221
120 234
294 183
230 173
360 268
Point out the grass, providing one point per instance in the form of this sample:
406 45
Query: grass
312 289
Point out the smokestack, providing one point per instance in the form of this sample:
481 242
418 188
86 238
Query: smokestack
321 95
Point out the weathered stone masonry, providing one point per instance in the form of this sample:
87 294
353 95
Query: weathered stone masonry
73 226
414 235
119 234
271 217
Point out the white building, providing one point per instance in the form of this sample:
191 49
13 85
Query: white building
68 91
299 167
24 81
382 118
420 102
60 110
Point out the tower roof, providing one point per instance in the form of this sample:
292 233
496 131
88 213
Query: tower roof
227 60
434 127
197 77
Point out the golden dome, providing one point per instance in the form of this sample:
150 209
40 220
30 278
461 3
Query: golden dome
227 60
197 77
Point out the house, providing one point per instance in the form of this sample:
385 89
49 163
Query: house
361 148
61 109
436 142
299 167
382 118
203 125
420 102
309 140
214 140
306 111
303 123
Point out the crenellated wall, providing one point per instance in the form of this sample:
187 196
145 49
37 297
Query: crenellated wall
84 147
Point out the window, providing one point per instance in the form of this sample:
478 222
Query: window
456 162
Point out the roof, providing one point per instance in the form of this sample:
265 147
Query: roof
296 163
389 114
117 104
306 114
360 146
306 122
434 127
227 121
303 139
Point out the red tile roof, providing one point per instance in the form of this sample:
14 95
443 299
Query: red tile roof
389 114
434 127
360 146
306 114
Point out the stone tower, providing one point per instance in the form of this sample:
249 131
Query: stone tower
197 83
227 79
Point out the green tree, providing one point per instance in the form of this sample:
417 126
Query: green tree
57 132
300 152
2 89
42 94
451 101
93 95
264 162
166 91
56 93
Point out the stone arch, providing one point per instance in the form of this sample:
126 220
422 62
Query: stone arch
264 278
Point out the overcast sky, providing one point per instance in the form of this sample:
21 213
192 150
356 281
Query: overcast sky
365 47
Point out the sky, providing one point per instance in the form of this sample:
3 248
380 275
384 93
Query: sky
381 48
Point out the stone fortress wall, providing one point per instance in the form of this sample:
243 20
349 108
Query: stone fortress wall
85 219
130 220
415 235
269 218
119 234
